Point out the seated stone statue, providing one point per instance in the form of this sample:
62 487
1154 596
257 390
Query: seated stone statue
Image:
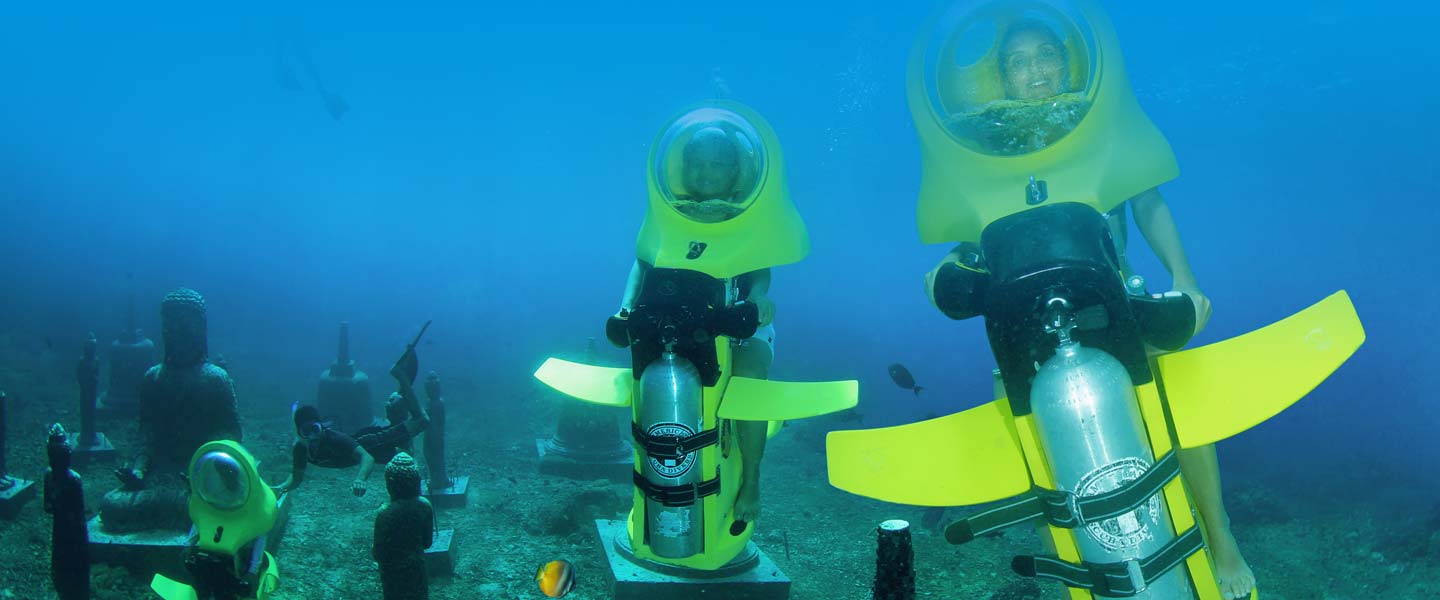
184 402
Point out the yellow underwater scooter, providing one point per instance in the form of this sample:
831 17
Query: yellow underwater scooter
232 509
683 395
1084 439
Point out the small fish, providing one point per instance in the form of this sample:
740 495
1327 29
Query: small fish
902 377
556 578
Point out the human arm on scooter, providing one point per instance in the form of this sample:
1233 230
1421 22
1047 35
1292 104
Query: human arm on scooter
615 327
760 295
1155 222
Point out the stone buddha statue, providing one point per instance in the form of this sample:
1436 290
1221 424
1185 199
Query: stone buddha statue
185 402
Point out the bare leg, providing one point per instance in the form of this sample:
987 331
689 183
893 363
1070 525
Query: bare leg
1202 470
752 359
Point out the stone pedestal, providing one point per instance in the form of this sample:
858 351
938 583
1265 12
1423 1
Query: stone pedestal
99 451
450 497
558 460
14 493
440 556
161 551
157 551
588 443
751 576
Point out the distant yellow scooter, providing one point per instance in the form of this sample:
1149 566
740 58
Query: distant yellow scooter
232 509
683 394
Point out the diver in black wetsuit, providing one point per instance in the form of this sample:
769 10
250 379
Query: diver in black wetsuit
316 443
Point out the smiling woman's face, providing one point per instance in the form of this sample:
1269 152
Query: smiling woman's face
1033 64
712 165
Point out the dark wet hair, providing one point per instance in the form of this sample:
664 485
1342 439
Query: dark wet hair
306 414
1029 24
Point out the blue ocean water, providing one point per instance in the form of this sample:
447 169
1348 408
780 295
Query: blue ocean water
489 175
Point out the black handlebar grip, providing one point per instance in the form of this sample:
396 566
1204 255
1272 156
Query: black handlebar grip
739 321
617 330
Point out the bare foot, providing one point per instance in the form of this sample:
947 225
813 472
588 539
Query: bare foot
747 501
1231 571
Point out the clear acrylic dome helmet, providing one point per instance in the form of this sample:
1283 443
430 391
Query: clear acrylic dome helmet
709 165
1005 90
219 480
718 200
1010 78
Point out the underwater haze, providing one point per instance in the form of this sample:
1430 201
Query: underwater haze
487 171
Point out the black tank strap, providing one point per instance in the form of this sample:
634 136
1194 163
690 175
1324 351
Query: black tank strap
1065 510
672 446
1113 580
676 495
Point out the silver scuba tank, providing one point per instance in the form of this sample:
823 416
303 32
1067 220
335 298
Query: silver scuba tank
671 404
1088 420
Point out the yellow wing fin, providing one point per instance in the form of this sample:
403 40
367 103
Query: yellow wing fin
1222 389
169 589
749 399
607 386
970 457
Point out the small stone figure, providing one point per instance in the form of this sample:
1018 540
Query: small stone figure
87 374
131 354
404 528
89 443
344 391
184 402
69 540
435 435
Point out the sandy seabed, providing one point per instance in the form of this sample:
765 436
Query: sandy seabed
1330 546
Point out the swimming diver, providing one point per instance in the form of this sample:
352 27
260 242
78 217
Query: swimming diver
285 78
316 443
1033 66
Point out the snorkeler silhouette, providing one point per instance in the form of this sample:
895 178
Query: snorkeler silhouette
285 77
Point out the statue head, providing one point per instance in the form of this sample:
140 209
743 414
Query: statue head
402 477
58 447
432 386
182 318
